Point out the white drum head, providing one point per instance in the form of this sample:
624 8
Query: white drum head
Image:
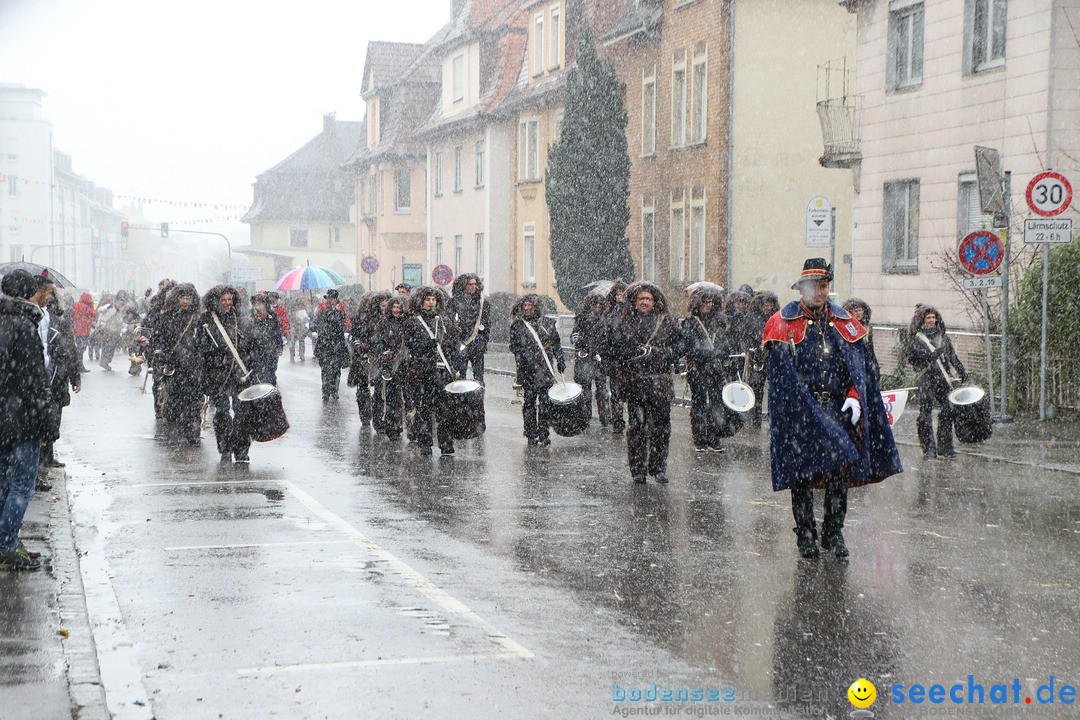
564 393
738 396
967 395
462 387
257 392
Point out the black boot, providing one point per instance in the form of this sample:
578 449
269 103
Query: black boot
802 508
832 535
926 437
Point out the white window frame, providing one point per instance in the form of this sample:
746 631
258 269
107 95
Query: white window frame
538 45
402 172
479 240
528 253
900 226
678 102
699 98
698 236
458 253
459 160
13 185
529 149
554 37
648 111
677 239
436 172
648 238
481 152
969 214
438 249
906 44
993 16
457 73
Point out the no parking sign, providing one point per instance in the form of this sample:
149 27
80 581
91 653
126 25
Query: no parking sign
981 252
442 275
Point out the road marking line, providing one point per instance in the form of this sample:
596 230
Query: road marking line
257 545
434 593
474 657
251 481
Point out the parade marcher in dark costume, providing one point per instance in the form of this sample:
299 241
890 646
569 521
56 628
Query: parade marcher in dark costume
151 326
330 348
179 364
267 344
613 311
535 344
709 345
222 377
392 355
434 360
827 423
469 311
934 387
646 343
364 368
861 312
587 338
762 307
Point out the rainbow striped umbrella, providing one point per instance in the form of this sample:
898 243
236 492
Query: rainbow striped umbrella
309 277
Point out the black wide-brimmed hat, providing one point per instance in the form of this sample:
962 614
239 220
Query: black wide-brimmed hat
814 269
331 294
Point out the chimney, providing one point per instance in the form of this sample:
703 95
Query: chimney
328 121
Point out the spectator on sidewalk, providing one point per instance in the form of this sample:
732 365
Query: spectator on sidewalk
83 315
23 414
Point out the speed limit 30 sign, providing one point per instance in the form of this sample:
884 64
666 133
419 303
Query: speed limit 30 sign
1049 194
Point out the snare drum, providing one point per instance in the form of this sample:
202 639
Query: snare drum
568 409
738 396
465 409
263 412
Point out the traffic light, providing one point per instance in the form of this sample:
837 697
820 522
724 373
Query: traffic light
164 230
124 234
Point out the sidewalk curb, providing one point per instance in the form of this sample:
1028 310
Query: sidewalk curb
83 674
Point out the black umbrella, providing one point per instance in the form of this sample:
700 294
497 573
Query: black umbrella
35 269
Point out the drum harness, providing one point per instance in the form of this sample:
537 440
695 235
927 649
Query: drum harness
433 334
163 370
949 377
477 326
543 352
229 344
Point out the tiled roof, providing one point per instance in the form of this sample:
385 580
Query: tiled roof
309 185
387 61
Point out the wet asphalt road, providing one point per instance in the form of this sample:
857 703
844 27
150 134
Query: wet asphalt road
342 575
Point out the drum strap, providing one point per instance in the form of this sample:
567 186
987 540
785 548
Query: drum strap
229 342
433 334
656 329
184 332
712 345
476 325
540 345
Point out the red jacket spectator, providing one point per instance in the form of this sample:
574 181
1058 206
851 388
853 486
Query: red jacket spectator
83 315
283 316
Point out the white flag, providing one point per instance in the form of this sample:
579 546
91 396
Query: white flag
894 401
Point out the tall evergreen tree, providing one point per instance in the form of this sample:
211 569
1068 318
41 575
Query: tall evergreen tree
587 182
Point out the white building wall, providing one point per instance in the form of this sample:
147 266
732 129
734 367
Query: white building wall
25 174
929 132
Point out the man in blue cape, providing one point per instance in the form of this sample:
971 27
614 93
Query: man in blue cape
827 424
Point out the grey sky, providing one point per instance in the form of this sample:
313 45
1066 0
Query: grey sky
191 100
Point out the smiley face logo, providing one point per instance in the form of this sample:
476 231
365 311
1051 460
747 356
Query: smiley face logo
862 693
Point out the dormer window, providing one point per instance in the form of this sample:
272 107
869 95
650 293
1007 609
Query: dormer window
458 71
538 44
554 39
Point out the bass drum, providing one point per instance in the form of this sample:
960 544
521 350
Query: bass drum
568 409
973 422
465 409
263 413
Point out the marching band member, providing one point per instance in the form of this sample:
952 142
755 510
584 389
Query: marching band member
219 332
587 338
330 324
709 347
646 342
928 343
177 364
827 423
434 361
535 344
469 312
612 313
392 355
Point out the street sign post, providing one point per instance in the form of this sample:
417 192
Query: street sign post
1049 194
442 275
246 273
818 222
1048 230
981 252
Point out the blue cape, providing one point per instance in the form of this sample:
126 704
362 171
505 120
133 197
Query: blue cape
805 441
